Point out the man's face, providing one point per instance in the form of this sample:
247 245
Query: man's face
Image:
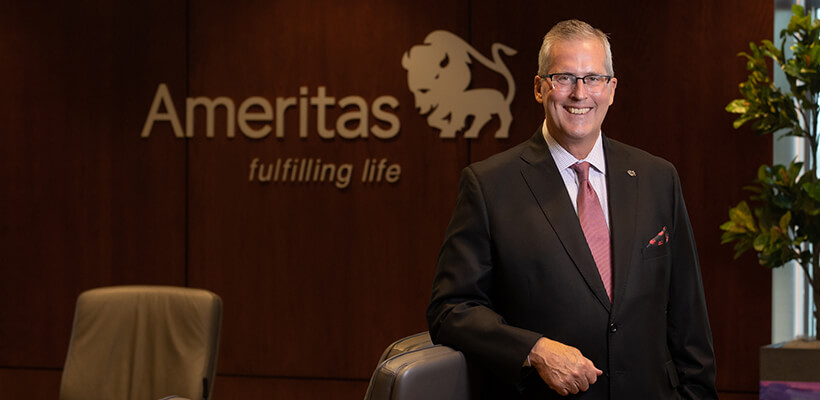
575 114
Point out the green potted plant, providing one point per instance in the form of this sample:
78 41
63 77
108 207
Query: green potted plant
781 222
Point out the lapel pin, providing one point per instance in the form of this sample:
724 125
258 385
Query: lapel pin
630 172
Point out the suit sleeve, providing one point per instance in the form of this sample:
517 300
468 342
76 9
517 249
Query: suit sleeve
461 313
688 334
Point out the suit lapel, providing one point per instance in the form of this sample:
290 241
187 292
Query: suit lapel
545 182
622 188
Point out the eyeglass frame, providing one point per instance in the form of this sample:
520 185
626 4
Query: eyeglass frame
577 78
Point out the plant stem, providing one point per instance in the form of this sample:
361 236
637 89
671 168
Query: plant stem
813 279
812 134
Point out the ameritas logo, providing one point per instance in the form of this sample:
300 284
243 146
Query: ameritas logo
438 75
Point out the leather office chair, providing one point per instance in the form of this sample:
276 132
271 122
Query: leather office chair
414 368
143 342
412 342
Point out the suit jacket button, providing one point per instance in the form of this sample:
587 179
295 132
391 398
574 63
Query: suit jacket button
613 328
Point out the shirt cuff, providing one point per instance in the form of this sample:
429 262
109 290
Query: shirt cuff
527 362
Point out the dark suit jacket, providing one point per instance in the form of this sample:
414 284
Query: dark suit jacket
515 267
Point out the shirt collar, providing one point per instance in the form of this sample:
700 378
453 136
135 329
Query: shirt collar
563 158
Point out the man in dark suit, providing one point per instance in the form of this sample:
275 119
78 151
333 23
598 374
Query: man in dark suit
569 267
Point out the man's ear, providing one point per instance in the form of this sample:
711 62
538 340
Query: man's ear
614 83
539 97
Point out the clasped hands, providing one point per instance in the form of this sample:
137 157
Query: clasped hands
563 367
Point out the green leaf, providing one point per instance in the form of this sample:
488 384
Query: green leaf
741 216
738 106
784 221
812 189
742 120
797 9
760 242
763 172
741 247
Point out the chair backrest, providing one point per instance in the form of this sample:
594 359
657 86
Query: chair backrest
412 342
143 342
414 368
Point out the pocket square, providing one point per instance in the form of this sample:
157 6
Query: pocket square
661 238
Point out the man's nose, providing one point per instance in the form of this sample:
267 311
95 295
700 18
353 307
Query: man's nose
579 90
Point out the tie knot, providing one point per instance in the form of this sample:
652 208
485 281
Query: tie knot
582 170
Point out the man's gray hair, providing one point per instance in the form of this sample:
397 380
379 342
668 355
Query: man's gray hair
572 29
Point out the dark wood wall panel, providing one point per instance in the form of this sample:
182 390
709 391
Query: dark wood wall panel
231 387
86 202
30 383
317 280
739 396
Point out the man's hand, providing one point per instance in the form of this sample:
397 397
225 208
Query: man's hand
563 367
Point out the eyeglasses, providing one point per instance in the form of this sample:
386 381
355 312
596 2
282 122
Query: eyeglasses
564 81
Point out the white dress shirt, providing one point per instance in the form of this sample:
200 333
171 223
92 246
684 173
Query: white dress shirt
597 174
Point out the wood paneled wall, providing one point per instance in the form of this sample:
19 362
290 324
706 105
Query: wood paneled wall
317 280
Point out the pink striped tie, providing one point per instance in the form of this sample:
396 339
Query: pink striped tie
594 225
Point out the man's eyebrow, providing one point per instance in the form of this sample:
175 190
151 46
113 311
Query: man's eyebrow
580 75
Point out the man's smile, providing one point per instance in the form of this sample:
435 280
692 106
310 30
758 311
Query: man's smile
576 110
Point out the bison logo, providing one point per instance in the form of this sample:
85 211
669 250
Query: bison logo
438 74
